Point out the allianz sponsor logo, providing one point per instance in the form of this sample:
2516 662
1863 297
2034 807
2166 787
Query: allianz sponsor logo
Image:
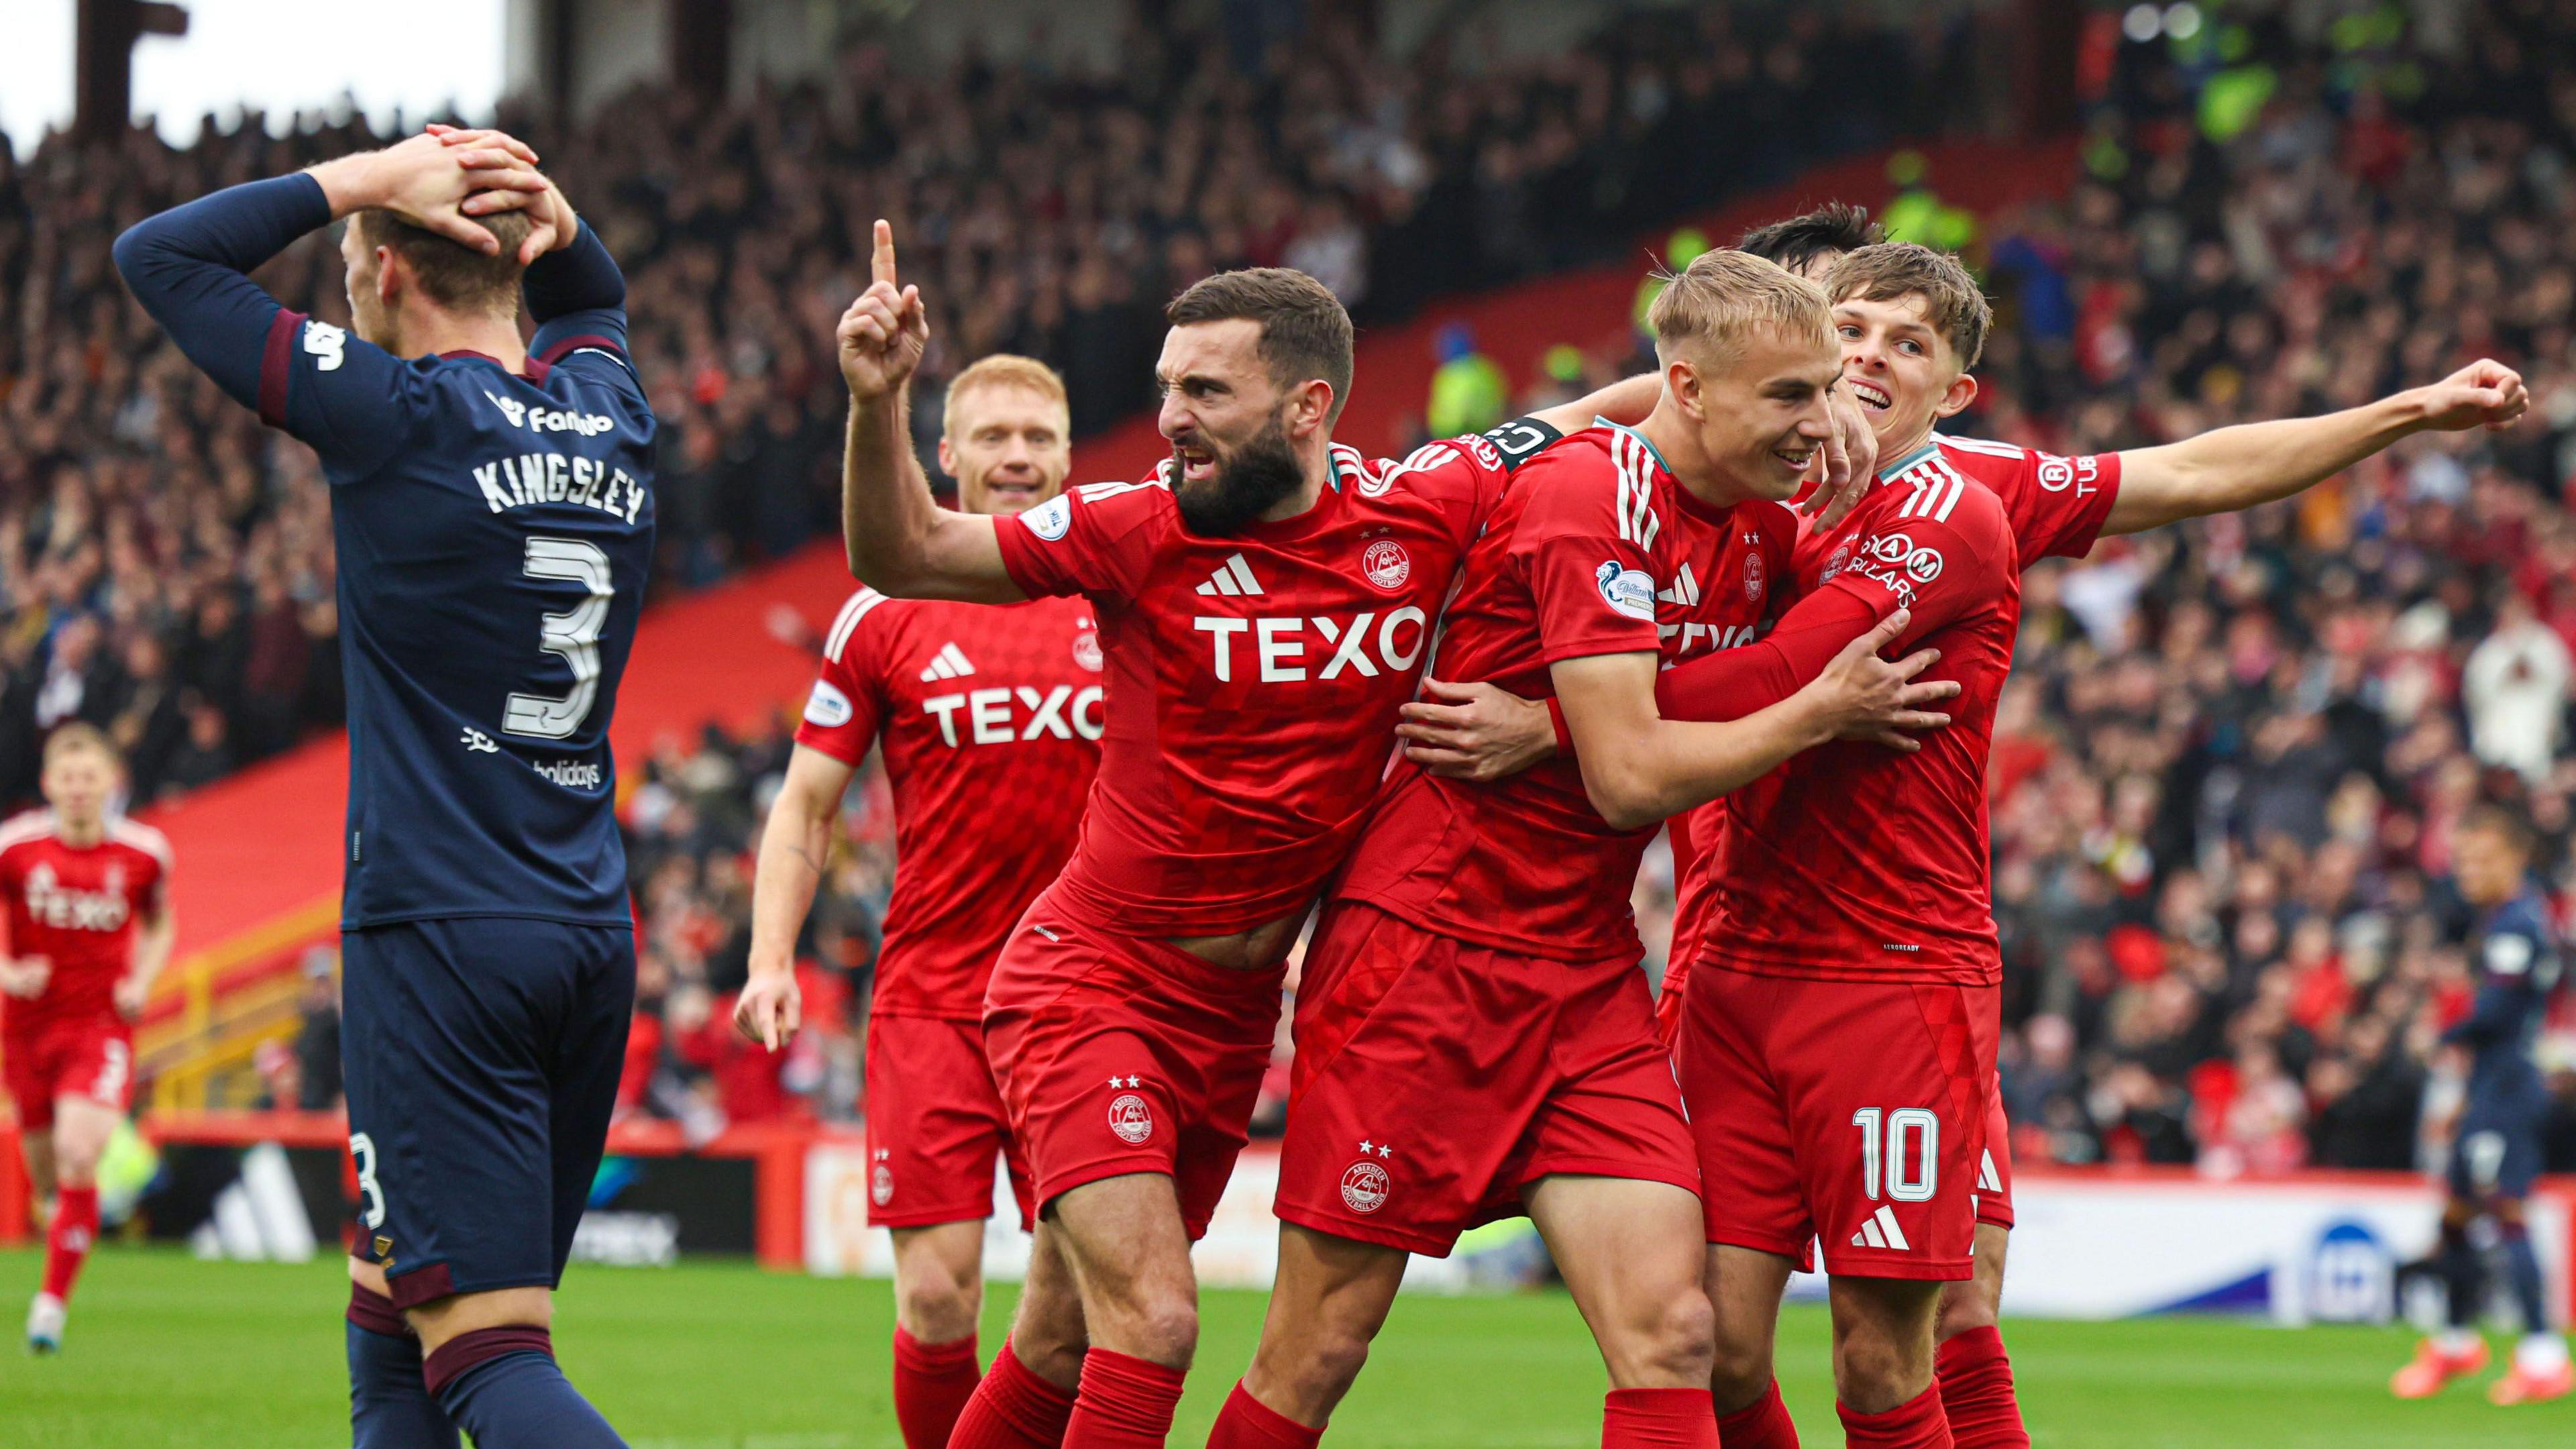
571 774
548 420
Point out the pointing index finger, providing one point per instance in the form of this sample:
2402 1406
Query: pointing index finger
883 263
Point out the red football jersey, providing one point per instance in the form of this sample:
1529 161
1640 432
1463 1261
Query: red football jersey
1596 549
1253 680
2055 506
77 907
1852 861
991 720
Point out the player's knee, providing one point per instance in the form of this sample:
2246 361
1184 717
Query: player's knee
1674 1343
1163 1327
1312 1370
1873 1373
939 1308
1966 1307
1739 1372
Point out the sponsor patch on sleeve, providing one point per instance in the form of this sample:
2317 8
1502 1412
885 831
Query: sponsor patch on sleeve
1627 591
1050 519
827 707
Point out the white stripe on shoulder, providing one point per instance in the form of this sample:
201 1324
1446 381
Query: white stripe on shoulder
25 826
142 837
847 622
1986 446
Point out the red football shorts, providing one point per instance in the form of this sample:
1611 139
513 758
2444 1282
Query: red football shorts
1854 1113
1436 1079
1994 1169
935 1125
1117 1054
90 1057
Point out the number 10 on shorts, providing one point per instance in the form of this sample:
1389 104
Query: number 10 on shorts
1908 1142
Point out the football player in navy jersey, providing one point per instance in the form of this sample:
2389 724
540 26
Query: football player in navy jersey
2496 1149
492 508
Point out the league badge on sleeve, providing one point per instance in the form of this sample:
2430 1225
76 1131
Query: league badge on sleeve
827 708
1050 520
1627 591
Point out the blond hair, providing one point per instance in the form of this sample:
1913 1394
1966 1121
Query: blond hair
82 735
1002 369
1725 295
1892 271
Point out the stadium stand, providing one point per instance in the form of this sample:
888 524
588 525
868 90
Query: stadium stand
2228 767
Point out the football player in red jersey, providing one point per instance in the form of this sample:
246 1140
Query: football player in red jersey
88 928
990 720
2054 506
1475 1039
1265 600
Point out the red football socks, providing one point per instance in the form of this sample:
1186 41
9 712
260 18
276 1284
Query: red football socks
1247 1423
67 1245
1012 1408
1915 1424
1658 1419
1126 1402
1976 1382
1765 1425
932 1382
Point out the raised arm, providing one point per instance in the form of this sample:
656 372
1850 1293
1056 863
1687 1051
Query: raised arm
190 266
1850 455
2228 469
900 542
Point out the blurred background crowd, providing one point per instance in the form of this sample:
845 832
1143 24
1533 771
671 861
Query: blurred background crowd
2226 771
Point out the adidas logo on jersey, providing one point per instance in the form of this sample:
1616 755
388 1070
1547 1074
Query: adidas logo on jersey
948 663
1879 1230
1684 590
1232 578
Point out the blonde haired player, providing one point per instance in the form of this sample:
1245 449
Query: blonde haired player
88 928
990 719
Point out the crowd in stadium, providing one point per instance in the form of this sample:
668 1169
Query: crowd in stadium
2224 775
165 566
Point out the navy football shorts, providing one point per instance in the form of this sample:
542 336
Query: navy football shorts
2498 1150
482 1056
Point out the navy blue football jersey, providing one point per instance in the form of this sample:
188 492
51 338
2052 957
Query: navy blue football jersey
494 532
2515 957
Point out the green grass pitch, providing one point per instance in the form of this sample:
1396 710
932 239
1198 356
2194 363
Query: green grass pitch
167 1351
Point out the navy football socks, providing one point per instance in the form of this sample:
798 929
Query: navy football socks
501 1386
389 1406
2522 1274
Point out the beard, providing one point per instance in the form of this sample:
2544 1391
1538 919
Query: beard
1262 473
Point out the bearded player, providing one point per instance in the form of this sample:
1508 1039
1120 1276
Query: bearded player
1474 1037
492 510
89 927
990 720
1265 599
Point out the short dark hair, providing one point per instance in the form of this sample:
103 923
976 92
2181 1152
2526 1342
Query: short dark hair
454 275
1890 271
1833 228
1305 331
2490 817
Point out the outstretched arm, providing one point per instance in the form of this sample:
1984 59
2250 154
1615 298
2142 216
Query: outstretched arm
899 541
2228 469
